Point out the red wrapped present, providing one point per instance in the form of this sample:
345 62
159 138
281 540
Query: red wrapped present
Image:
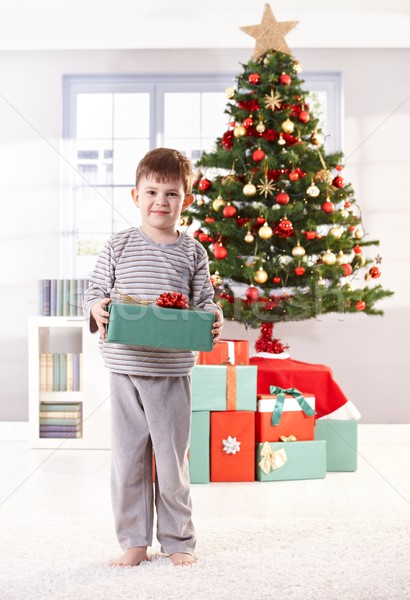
233 446
293 420
234 352
318 379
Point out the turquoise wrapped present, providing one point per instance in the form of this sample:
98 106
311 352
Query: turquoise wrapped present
277 461
199 465
224 388
341 443
153 326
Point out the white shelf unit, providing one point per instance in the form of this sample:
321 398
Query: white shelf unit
70 334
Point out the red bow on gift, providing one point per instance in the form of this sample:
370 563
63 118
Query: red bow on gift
172 300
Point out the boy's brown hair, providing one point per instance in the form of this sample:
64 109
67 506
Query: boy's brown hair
166 164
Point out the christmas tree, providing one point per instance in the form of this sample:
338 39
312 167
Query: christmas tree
282 228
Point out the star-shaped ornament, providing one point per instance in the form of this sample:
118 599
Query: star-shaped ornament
269 34
378 259
273 100
266 187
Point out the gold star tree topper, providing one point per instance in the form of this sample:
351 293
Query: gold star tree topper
270 34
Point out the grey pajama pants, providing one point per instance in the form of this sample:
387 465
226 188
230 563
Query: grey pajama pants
151 412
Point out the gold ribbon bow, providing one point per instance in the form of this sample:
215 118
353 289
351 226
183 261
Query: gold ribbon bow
130 299
272 459
291 438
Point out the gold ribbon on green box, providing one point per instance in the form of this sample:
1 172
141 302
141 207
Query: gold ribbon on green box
272 459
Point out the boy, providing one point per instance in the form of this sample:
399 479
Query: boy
150 388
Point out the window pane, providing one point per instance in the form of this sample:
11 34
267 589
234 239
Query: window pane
318 106
94 209
131 115
126 214
182 117
94 162
127 154
94 115
214 121
190 147
88 247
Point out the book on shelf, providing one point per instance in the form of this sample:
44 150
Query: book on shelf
62 297
52 421
61 428
60 372
66 433
60 406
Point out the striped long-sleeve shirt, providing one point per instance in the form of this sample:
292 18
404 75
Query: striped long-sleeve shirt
136 265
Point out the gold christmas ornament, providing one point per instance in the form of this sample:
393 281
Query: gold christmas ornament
367 277
269 34
324 176
344 213
328 258
230 93
249 189
317 138
261 276
341 258
217 279
313 191
266 187
260 127
360 260
239 131
298 251
281 141
336 232
358 234
320 281
288 126
265 232
297 67
218 203
200 201
249 238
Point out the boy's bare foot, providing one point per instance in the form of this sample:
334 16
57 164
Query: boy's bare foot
131 557
182 559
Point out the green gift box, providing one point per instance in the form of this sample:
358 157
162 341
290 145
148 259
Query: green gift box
290 460
199 447
153 326
225 387
341 443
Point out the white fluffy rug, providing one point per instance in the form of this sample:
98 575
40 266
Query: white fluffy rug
238 559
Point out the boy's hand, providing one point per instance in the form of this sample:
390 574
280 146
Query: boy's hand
98 311
217 326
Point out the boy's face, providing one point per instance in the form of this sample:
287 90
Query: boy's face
160 203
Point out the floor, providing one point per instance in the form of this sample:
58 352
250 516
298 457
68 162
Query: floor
76 483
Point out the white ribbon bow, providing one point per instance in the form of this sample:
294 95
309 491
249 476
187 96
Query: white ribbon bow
231 445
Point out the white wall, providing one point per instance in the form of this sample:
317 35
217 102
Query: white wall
369 356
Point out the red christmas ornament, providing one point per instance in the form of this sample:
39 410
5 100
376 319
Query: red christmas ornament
252 293
276 280
204 185
196 233
360 305
254 78
211 239
328 206
258 155
357 249
209 220
300 271
173 300
265 343
285 79
227 140
242 221
248 122
339 167
220 252
260 220
338 182
229 211
375 272
348 204
303 116
285 225
347 269
310 235
203 237
293 176
282 198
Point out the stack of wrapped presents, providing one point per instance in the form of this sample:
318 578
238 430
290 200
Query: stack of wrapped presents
242 434
263 418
